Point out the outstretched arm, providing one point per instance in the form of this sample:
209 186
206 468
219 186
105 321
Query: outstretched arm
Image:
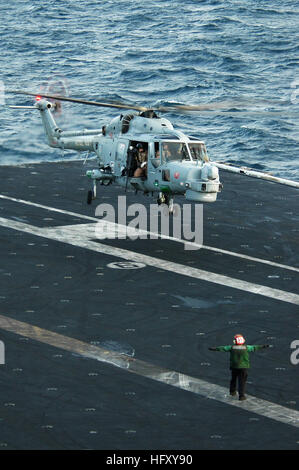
221 348
256 347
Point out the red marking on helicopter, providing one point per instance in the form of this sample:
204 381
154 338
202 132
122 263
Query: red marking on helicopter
38 98
176 175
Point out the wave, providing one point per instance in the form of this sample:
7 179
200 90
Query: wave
148 52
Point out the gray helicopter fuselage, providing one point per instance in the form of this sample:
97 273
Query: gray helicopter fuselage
197 177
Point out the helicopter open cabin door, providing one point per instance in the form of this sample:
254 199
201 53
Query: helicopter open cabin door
154 162
120 156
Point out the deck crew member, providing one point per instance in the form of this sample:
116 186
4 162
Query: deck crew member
239 362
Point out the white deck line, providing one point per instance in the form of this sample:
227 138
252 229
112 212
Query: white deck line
172 378
119 227
74 235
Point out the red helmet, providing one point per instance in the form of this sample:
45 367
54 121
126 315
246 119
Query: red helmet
239 339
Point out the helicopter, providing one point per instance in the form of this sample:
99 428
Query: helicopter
138 150
142 151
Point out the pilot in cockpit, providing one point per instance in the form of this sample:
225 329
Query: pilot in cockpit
141 158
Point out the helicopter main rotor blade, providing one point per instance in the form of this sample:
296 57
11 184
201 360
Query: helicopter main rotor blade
217 106
77 100
188 108
242 106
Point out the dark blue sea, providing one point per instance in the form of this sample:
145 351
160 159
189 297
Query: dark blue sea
153 52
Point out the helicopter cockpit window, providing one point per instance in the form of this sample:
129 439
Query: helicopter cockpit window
198 151
172 151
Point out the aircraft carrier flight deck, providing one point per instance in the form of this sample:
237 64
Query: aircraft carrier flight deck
105 341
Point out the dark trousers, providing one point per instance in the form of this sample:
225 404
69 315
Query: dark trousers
239 375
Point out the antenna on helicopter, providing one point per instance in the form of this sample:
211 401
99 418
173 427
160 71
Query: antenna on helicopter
22 107
87 156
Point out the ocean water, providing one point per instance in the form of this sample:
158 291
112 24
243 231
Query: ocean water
153 52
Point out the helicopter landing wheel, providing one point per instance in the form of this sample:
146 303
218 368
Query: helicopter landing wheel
175 211
163 199
89 197
170 206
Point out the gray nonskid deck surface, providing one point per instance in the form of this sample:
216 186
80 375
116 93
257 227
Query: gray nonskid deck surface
118 358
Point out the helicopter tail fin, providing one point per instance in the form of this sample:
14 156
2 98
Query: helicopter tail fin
50 126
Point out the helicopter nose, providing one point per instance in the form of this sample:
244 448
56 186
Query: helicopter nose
203 187
210 172
213 172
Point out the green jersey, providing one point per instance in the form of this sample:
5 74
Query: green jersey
239 355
